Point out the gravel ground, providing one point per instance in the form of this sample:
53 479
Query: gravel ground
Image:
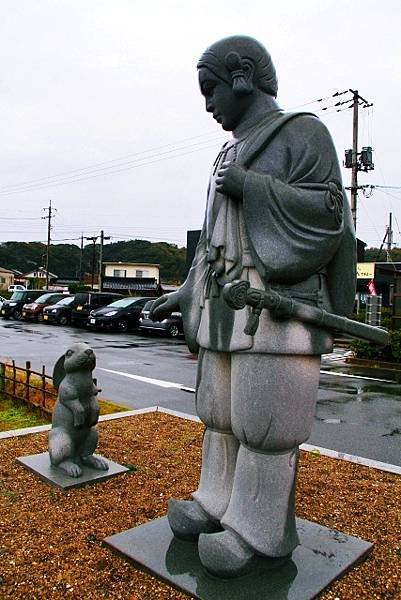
51 541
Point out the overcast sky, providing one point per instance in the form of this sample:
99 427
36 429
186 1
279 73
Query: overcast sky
101 112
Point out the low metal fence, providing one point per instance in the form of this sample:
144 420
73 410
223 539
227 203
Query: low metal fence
32 387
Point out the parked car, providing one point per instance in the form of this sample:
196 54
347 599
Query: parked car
33 311
59 313
123 314
16 287
12 308
1 301
85 302
171 325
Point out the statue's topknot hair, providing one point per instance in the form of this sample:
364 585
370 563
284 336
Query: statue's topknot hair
215 59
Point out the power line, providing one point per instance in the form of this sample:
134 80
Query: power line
20 218
134 166
318 100
91 172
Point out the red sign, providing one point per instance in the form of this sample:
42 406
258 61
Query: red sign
372 288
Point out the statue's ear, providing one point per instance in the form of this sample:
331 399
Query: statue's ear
58 371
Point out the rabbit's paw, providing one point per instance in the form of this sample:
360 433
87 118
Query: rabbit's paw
71 468
96 462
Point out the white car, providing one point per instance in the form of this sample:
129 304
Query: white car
16 288
1 301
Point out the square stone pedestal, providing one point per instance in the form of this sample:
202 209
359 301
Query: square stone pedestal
40 465
323 556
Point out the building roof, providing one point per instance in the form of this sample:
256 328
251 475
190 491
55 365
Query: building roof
41 269
131 264
133 284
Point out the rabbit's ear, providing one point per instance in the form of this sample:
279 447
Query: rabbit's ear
58 371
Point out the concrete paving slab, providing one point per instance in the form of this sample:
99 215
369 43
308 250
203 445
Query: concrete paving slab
323 556
40 465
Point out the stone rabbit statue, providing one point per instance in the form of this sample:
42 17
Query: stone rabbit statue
73 436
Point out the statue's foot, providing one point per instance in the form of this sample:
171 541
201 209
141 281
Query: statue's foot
225 554
95 462
187 520
69 467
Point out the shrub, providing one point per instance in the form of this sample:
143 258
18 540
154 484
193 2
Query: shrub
395 344
363 349
391 352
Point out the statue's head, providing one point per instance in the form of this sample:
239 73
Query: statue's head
231 72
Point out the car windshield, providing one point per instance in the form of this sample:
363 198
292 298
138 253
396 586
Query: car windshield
17 296
81 298
43 299
65 301
122 303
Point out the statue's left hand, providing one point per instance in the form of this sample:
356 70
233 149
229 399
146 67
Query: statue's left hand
230 180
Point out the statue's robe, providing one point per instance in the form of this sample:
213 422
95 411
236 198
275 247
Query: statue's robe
293 231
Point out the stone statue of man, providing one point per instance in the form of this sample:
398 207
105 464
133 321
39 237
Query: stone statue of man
276 214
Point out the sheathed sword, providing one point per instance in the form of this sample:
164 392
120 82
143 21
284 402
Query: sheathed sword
239 294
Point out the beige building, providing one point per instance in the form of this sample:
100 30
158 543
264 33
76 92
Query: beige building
6 278
137 270
37 277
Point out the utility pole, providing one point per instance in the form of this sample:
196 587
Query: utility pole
102 240
389 236
354 174
93 239
364 162
81 257
49 218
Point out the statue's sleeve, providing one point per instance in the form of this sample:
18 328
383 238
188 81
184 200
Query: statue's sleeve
295 218
191 293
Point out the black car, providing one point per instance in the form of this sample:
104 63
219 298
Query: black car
122 314
12 308
59 313
171 325
85 302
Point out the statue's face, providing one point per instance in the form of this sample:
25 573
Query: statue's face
227 108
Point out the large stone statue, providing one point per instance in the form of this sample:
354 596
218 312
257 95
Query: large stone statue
276 216
73 436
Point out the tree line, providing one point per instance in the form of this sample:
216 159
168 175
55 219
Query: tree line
65 259
380 255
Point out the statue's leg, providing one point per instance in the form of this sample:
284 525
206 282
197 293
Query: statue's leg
86 452
273 406
62 452
219 453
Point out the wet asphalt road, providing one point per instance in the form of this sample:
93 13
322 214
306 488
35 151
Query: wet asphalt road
356 414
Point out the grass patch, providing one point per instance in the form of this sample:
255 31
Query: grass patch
107 407
16 415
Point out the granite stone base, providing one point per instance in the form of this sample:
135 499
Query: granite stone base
322 557
41 466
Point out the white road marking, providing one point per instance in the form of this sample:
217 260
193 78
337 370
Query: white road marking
356 376
159 382
184 388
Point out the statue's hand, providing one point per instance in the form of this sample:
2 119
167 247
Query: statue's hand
79 416
230 180
93 413
164 305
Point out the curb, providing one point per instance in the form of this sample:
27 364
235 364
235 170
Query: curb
358 460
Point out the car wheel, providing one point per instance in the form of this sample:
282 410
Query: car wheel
173 331
39 318
63 320
17 315
122 325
